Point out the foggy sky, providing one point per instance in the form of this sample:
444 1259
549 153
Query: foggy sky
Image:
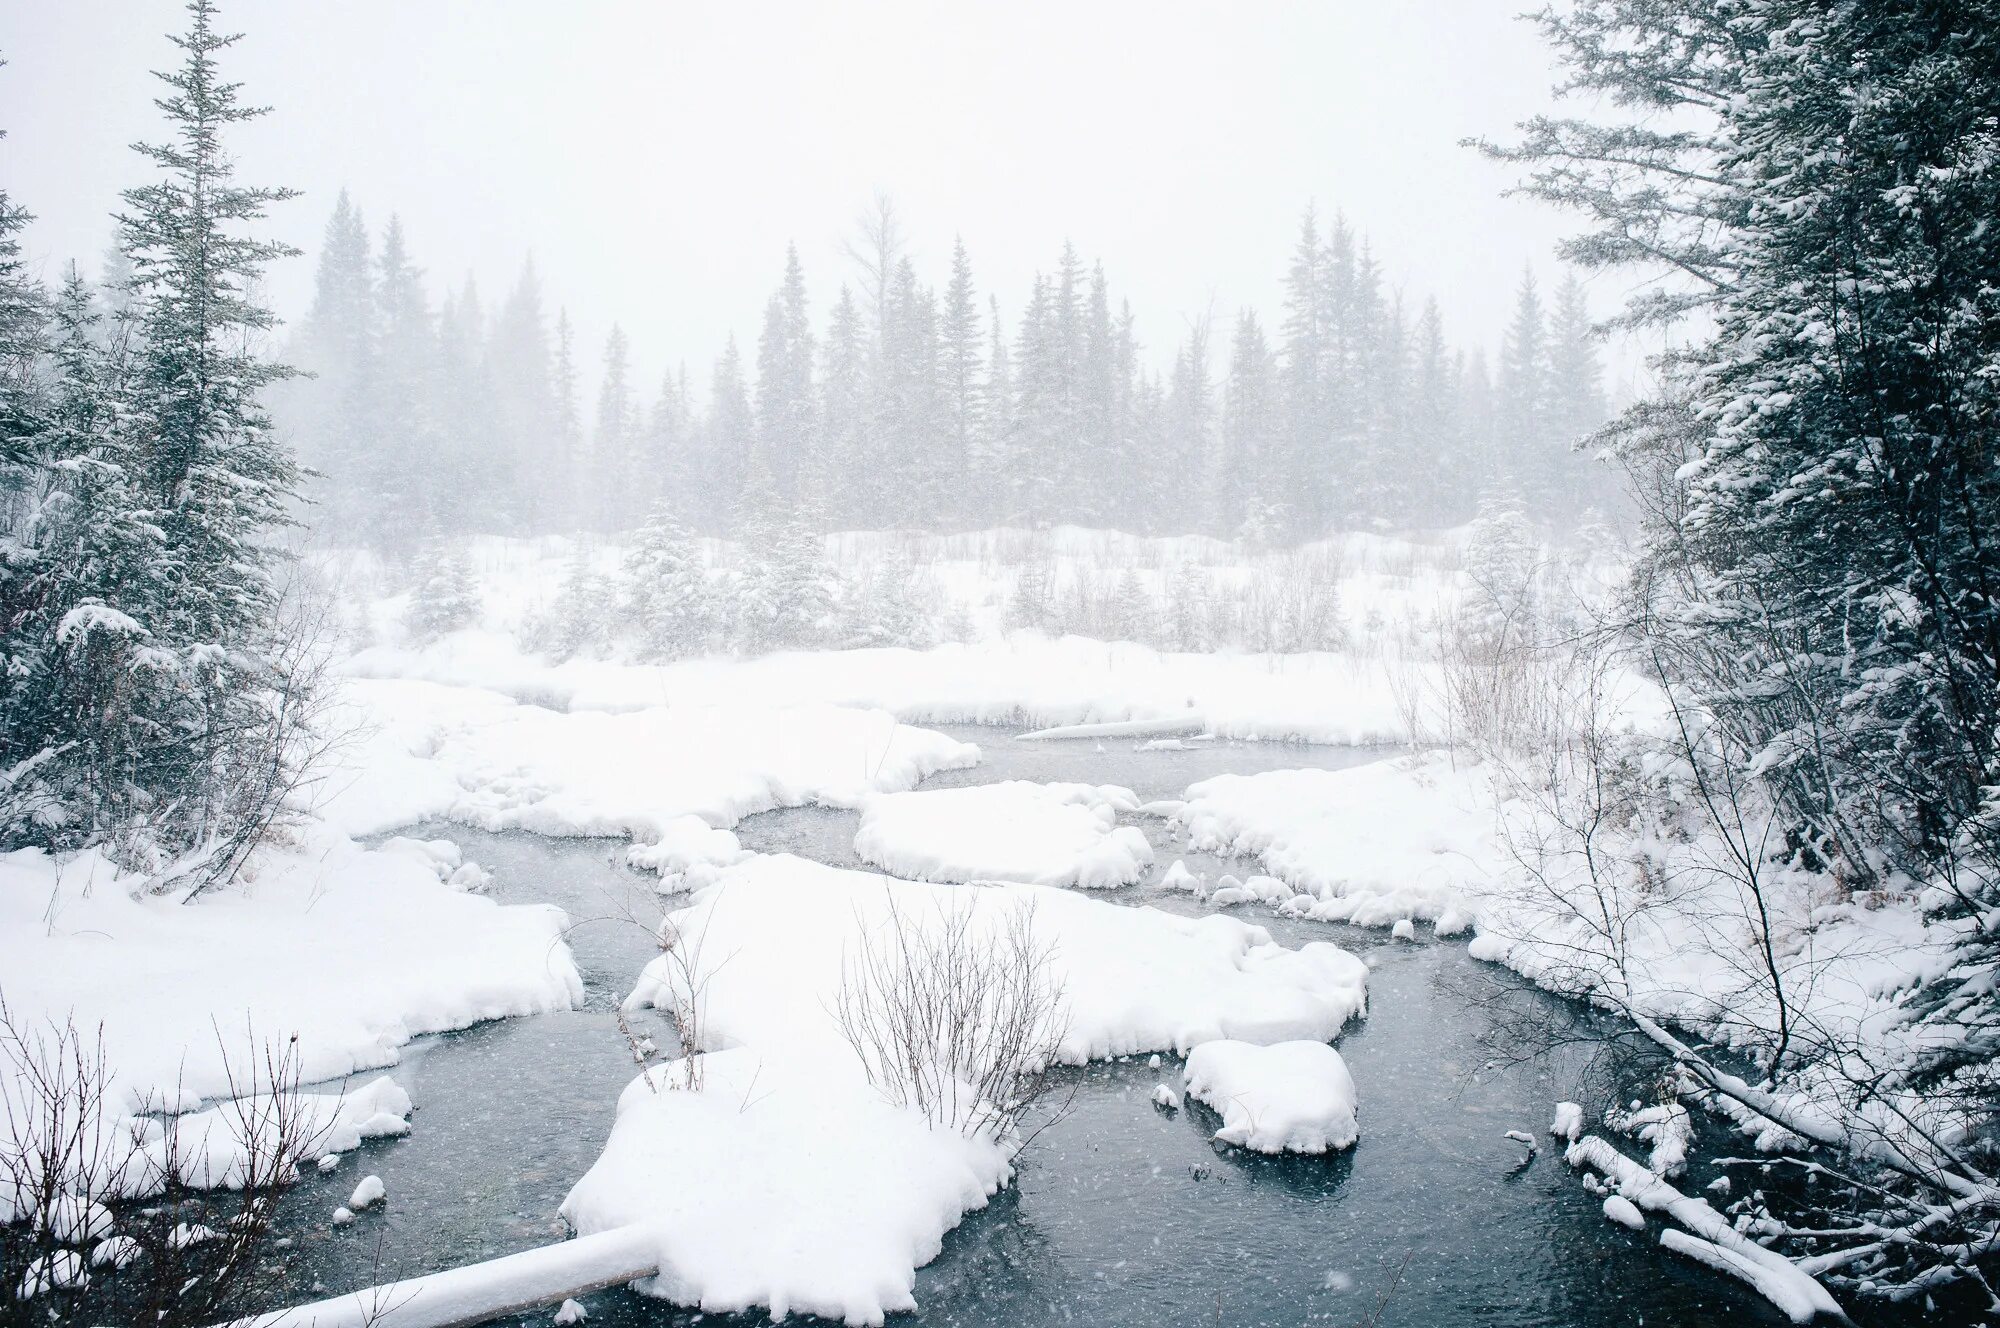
656 157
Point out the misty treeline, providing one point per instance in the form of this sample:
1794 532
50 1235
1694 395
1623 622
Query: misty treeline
903 404
1814 188
157 686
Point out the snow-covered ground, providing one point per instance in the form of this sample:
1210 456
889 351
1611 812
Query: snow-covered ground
353 951
774 1173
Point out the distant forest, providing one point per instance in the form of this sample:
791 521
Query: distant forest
912 406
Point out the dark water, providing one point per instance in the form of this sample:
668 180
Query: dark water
1123 1214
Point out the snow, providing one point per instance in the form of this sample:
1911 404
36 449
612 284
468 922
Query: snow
1373 844
776 1176
1667 1127
771 933
1289 1097
1568 1122
483 1292
1165 1098
1624 1212
1024 679
354 952
664 775
1037 834
1714 1241
367 1194
786 1186
571 1311
351 952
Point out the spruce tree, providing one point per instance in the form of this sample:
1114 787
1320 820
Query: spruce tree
960 370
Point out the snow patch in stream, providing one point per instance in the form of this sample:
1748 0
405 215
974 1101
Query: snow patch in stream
1017 830
1289 1097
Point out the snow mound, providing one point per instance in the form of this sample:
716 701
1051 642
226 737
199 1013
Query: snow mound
789 1187
1037 834
1568 1122
1624 1212
1373 844
1290 1097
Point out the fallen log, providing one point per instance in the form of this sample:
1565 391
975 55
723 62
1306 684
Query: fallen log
481 1292
1189 721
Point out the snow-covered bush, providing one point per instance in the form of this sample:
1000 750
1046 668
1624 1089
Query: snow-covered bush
787 596
580 621
896 607
670 605
446 597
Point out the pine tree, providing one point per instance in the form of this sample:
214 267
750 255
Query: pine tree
1817 577
446 597
80 556
337 409
1305 350
960 370
578 491
1434 454
524 398
845 410
614 442
407 390
1249 494
1575 380
151 706
471 488
1521 423
212 466
668 599
997 439
1188 471
22 314
730 436
668 454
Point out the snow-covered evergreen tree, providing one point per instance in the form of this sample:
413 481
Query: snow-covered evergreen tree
446 595
670 603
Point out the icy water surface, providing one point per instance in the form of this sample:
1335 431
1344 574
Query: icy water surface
1123 1214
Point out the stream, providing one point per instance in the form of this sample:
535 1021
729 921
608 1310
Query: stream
1122 1214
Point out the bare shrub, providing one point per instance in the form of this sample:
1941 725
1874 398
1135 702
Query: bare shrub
76 1245
957 1013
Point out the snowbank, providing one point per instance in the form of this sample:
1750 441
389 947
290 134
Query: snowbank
1290 1097
1371 844
476 757
1024 679
354 952
1038 834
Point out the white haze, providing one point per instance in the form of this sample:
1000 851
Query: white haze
656 158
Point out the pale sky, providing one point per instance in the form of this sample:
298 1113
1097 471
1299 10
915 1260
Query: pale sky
656 157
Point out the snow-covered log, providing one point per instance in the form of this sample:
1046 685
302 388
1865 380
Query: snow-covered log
480 1292
1190 721
1780 1281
